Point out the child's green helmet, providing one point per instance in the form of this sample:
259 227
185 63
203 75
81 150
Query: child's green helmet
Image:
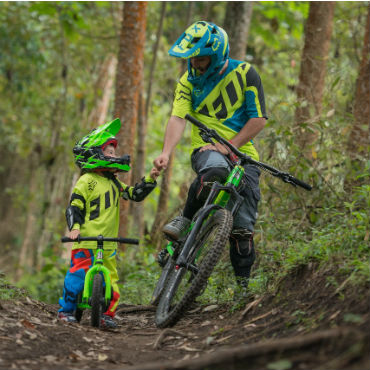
88 151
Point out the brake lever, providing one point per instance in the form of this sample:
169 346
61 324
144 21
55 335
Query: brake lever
288 179
206 137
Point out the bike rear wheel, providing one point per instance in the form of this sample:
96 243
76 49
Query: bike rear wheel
185 284
97 301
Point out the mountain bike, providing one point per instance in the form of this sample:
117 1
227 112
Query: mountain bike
97 291
193 257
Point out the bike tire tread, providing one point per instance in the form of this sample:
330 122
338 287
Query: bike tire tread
224 220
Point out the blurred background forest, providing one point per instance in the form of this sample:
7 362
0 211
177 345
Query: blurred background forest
67 67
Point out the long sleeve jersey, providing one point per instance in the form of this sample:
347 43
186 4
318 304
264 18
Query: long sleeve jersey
95 205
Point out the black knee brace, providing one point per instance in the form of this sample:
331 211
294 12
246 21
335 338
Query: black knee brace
199 189
207 178
242 253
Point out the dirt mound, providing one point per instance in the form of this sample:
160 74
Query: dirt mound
307 324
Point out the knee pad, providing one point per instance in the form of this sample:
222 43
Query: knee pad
242 253
205 179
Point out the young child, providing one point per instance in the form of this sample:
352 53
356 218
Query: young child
94 210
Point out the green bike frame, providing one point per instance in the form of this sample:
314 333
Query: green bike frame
97 268
222 198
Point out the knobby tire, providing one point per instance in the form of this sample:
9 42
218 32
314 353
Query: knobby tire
78 312
157 293
219 223
96 301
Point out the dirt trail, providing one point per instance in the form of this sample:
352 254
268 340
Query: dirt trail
306 325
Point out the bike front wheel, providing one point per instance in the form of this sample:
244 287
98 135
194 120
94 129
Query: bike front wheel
185 284
78 312
157 293
96 301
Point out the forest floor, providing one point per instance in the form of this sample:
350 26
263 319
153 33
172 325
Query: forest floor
307 324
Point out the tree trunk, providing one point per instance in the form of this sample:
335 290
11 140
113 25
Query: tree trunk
128 82
359 140
25 257
144 106
310 89
154 60
236 24
103 92
139 169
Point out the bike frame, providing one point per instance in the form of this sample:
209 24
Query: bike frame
219 195
218 198
97 267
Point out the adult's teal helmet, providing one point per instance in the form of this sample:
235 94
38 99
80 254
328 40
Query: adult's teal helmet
89 154
202 39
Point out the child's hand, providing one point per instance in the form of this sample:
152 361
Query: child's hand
154 173
73 234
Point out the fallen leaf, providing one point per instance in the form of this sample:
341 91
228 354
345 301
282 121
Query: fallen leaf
50 358
187 348
280 365
223 339
209 340
102 357
27 324
35 320
210 308
205 323
31 335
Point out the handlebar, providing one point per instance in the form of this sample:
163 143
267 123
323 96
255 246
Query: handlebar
207 135
79 239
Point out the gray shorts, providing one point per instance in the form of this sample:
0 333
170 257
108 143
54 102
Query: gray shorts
247 214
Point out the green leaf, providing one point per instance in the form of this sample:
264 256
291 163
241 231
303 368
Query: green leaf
280 365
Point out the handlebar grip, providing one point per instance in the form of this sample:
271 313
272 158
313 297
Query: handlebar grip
302 184
128 241
65 239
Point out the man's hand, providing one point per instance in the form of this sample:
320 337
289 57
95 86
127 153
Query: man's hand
161 162
73 234
154 173
217 147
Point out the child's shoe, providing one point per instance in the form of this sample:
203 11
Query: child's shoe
107 322
66 316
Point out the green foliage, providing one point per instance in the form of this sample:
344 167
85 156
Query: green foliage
47 284
341 242
8 291
138 274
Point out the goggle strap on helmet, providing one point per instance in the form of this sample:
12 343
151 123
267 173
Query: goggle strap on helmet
110 142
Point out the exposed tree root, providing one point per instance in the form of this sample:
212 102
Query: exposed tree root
139 308
164 333
238 355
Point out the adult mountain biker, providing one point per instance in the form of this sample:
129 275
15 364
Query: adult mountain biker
227 96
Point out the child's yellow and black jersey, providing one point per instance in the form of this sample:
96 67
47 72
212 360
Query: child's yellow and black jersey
95 203
224 104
